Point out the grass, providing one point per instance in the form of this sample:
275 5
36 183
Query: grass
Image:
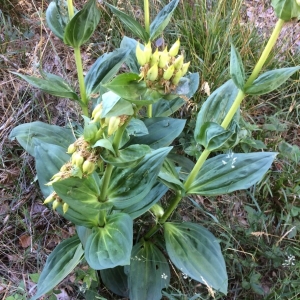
258 229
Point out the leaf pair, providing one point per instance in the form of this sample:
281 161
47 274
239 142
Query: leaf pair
156 27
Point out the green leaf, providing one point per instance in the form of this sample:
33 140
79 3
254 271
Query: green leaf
271 80
188 85
115 280
131 185
227 173
105 67
169 176
196 253
237 72
162 19
134 26
51 84
165 108
114 105
128 157
216 106
106 144
49 159
52 134
127 86
131 61
213 136
55 20
82 25
136 127
286 9
162 132
156 193
59 264
82 196
110 245
83 234
148 272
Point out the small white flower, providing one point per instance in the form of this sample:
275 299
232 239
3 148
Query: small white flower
164 276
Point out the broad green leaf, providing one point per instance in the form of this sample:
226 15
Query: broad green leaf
156 193
51 84
169 176
286 9
105 67
106 144
114 105
128 157
196 253
213 136
227 173
269 81
83 234
188 85
165 108
136 127
82 25
127 86
237 72
56 20
49 159
115 280
131 61
59 264
82 196
162 132
148 272
216 106
162 19
50 134
110 246
134 26
131 185
185 164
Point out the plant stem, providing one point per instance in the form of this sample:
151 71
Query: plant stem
70 9
106 180
272 40
239 98
147 16
78 62
84 101
176 199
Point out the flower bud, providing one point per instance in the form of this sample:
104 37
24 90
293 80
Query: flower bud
163 58
178 62
140 55
174 49
169 73
154 58
88 167
65 207
50 198
185 68
148 52
98 108
77 159
71 149
55 204
113 125
153 73
157 210
176 77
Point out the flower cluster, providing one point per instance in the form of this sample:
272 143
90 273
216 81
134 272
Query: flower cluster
161 68
56 201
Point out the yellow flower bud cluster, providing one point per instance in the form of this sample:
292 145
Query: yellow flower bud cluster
56 202
112 123
161 68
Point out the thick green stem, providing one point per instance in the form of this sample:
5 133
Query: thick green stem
70 9
147 16
174 202
266 52
105 183
84 100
